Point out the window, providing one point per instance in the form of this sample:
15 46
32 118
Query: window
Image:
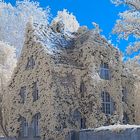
83 123
35 125
124 94
125 118
104 71
82 89
76 115
78 118
23 94
30 63
24 127
35 92
107 104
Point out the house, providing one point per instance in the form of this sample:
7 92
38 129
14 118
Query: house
64 82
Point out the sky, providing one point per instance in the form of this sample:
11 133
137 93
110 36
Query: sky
102 12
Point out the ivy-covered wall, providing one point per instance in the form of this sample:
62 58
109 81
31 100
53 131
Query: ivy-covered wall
68 82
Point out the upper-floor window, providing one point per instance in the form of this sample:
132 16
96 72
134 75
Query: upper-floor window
23 127
82 89
124 94
30 63
23 94
35 92
107 103
35 125
104 71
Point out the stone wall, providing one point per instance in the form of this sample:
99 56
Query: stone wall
128 134
3 138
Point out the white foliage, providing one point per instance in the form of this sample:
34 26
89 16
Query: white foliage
97 28
7 64
68 20
129 24
7 61
132 3
14 18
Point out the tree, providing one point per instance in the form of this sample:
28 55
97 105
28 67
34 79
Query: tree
128 26
14 18
67 21
7 64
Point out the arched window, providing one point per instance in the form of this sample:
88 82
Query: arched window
35 125
23 127
104 71
107 103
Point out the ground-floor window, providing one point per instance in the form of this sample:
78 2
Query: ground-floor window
35 125
107 103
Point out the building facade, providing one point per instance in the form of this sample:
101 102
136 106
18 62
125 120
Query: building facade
64 82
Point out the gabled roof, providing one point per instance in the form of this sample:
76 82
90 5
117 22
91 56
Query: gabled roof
64 48
52 39
61 41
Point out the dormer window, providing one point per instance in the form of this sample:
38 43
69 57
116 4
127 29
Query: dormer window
104 71
30 63
23 94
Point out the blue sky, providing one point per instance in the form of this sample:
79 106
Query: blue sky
102 12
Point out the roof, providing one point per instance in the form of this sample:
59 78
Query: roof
52 39
59 40
113 127
64 47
